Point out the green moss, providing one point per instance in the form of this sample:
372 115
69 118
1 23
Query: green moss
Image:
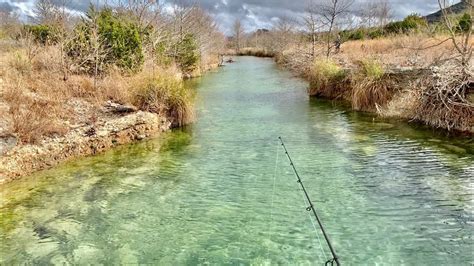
8 220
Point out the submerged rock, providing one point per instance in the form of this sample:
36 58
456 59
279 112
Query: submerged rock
455 149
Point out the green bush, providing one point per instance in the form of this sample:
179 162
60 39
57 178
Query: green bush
411 23
187 56
43 34
375 33
161 53
114 38
357 34
465 23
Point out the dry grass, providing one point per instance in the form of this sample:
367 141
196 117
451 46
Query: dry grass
399 51
443 100
252 51
328 80
370 86
163 94
32 117
42 99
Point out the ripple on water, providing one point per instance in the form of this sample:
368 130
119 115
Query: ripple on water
388 193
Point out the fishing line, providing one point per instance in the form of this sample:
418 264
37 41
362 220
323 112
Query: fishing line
273 194
311 208
325 255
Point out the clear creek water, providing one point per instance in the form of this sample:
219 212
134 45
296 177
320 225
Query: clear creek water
222 192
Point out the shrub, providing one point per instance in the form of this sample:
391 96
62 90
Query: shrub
357 34
411 23
43 34
118 42
327 79
375 33
370 86
465 23
164 95
162 55
187 56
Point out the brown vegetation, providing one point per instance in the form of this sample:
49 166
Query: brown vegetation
58 74
379 65
328 80
163 94
370 86
443 101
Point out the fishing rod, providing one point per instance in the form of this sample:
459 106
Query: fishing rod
311 208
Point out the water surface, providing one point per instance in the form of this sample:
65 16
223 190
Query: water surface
222 192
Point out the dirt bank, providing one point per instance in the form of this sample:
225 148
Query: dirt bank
413 86
109 130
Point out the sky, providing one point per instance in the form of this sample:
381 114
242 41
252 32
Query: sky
253 13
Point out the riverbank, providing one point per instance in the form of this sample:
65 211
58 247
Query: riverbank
108 131
48 119
395 77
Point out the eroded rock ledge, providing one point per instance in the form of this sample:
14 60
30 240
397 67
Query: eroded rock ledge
82 141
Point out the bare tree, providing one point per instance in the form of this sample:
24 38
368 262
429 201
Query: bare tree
9 24
146 12
383 12
311 21
331 11
460 35
374 13
238 34
47 12
55 15
284 31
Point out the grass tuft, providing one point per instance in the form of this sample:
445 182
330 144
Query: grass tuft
370 86
327 79
163 94
372 69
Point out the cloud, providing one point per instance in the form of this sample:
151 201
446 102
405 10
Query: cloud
262 13
253 13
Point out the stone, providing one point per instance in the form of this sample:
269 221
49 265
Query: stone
119 108
7 143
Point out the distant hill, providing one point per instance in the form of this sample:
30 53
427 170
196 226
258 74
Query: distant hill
456 9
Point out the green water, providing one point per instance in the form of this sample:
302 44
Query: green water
221 192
